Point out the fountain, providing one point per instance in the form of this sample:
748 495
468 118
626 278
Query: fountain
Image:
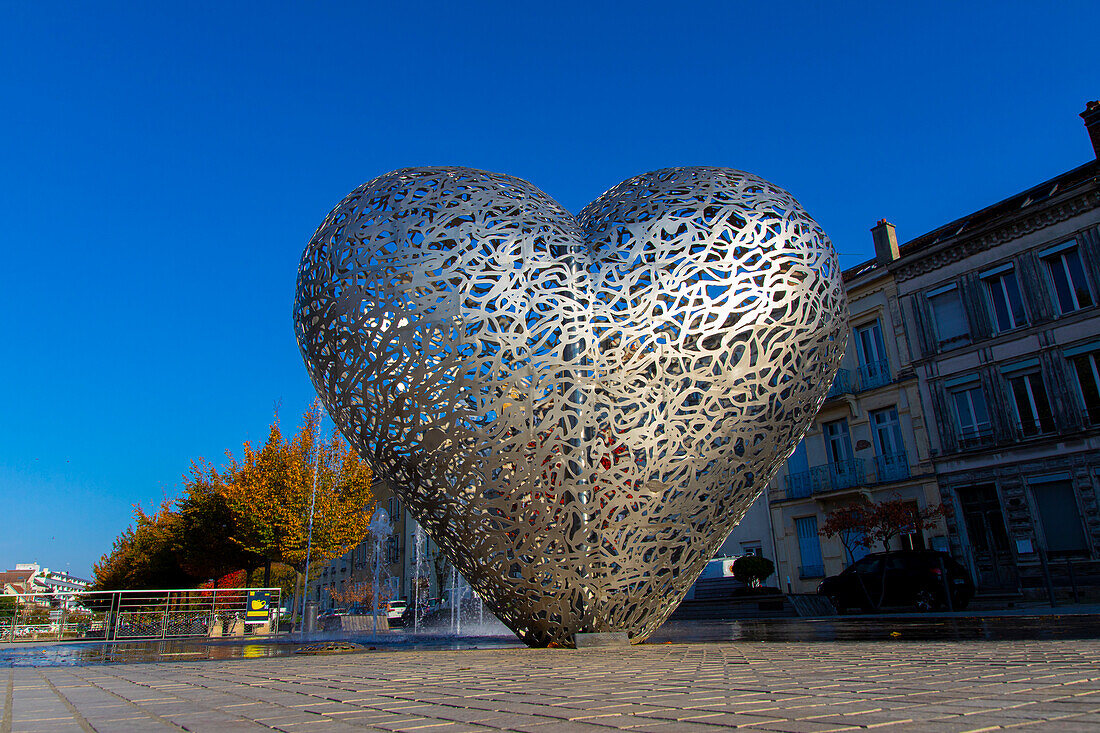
419 561
381 529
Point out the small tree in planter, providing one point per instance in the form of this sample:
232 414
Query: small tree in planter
863 524
895 517
753 570
851 524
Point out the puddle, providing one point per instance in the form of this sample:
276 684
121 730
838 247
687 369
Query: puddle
879 628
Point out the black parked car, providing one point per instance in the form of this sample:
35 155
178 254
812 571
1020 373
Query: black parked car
913 578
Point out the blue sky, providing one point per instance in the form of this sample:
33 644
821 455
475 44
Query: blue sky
163 165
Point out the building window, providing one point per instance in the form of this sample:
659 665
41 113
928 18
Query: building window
1057 510
1032 406
1088 379
809 547
1003 291
752 548
1067 275
949 317
975 428
890 459
799 484
838 442
874 368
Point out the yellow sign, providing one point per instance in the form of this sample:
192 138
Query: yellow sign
259 603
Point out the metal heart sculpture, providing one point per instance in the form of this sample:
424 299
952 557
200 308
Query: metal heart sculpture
578 410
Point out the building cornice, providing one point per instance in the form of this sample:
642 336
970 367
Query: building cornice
954 250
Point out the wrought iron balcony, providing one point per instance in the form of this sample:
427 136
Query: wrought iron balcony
976 437
811 571
874 374
823 479
892 467
799 485
842 384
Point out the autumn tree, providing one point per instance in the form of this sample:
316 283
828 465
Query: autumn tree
862 524
269 491
850 523
889 519
359 593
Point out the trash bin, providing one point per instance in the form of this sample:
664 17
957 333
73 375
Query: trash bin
309 622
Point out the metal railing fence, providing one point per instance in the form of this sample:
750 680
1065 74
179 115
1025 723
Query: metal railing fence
842 384
118 615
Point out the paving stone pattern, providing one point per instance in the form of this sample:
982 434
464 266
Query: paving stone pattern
792 687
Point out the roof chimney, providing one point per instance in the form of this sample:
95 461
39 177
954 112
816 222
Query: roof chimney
1091 116
886 242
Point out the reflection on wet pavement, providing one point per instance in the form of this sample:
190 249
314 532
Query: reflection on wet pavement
885 628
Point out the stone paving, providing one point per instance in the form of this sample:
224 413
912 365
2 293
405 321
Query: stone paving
794 687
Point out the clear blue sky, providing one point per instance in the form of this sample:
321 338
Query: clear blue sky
163 165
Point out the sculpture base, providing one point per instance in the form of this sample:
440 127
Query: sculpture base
607 638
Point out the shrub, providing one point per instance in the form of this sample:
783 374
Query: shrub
752 570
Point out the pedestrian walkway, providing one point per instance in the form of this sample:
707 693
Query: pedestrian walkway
793 687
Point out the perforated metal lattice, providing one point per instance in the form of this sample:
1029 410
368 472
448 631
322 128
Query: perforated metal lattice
577 409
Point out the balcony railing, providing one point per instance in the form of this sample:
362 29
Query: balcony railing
823 479
892 467
874 374
811 571
976 437
800 485
1035 427
842 384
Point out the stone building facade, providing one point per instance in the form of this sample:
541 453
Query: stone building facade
868 441
1002 309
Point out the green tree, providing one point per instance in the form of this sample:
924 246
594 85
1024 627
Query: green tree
753 570
145 556
207 525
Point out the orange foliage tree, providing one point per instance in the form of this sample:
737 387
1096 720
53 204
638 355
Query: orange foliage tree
359 593
269 491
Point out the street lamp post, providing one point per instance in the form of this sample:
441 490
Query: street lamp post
312 503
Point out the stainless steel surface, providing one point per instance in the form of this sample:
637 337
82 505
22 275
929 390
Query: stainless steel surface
577 409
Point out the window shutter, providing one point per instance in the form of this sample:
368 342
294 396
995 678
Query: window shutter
1034 290
997 403
1089 241
925 342
945 421
1064 403
974 303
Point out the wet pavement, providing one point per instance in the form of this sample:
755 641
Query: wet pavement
903 628
786 687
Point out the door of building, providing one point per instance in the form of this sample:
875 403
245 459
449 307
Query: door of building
809 548
985 525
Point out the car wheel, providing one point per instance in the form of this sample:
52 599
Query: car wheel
925 601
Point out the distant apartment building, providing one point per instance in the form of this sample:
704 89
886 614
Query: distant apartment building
868 441
54 587
1002 309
